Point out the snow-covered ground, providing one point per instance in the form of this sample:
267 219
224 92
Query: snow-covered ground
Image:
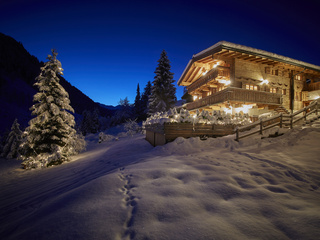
187 189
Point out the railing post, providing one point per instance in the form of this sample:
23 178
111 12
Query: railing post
261 126
305 114
237 134
280 120
291 121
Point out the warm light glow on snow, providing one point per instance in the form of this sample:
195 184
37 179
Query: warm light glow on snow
245 108
228 110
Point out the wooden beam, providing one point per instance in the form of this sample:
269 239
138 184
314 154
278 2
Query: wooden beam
202 65
192 75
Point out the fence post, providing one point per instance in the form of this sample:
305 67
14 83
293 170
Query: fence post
237 134
291 121
261 126
305 114
280 120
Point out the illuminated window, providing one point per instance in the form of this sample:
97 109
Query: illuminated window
251 87
297 77
273 90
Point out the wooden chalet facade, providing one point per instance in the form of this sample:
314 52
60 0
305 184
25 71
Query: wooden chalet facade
237 78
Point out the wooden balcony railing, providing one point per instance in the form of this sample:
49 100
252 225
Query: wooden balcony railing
237 94
203 80
212 74
312 86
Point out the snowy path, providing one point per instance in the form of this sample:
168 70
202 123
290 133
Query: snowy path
188 189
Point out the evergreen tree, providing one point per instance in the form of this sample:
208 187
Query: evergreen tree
10 149
86 122
124 113
95 121
138 110
163 91
145 99
49 138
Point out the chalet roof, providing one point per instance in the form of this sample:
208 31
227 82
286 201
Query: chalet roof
246 50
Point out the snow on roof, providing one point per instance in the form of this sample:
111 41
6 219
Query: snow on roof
242 48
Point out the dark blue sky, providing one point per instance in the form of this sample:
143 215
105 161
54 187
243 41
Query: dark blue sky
107 47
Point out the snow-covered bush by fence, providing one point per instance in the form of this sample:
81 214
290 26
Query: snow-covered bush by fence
105 137
184 116
132 127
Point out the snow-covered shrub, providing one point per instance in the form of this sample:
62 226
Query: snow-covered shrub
131 127
214 117
76 145
105 137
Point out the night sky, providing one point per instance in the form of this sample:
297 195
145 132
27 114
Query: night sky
107 47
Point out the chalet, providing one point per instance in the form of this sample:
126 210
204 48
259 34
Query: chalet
236 78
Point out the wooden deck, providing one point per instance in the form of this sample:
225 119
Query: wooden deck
237 94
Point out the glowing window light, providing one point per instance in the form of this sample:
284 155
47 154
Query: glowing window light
195 98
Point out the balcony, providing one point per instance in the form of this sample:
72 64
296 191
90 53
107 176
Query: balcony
237 95
312 86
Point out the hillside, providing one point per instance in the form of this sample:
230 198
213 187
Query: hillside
186 189
18 70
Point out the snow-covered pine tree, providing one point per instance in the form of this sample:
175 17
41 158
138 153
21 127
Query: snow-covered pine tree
145 98
163 91
10 149
49 138
124 113
138 110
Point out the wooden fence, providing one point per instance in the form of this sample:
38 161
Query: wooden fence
281 120
161 134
